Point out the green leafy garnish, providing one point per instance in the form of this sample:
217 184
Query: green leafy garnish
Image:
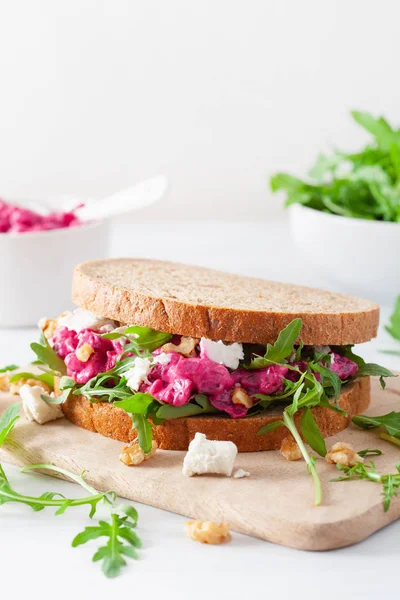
368 452
394 323
390 422
364 369
8 368
311 432
390 482
200 404
8 418
363 185
282 349
145 337
122 540
48 356
44 377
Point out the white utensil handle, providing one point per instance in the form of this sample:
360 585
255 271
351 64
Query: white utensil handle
128 200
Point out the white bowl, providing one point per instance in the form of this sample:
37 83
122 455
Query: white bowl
360 256
36 270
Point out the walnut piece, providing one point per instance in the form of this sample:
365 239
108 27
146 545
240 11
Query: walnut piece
344 454
185 347
48 326
17 385
84 352
132 455
4 382
240 396
290 448
208 532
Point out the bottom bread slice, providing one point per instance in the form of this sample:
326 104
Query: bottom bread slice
176 434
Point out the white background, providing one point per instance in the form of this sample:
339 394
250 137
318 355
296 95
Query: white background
216 94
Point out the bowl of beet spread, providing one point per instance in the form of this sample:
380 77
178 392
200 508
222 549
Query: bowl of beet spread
38 252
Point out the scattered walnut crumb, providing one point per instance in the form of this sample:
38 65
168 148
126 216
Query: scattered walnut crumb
208 532
48 326
344 454
132 455
240 396
4 382
290 448
241 473
17 385
185 347
84 352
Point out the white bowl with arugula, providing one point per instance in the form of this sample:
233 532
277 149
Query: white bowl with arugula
345 218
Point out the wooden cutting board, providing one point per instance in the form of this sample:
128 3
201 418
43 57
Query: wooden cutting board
275 503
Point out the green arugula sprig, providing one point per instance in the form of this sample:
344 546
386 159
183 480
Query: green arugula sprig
390 481
145 337
390 423
44 377
363 185
47 357
278 352
8 368
122 541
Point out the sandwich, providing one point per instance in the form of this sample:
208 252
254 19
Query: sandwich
160 351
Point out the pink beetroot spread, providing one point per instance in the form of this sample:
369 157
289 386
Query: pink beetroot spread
181 378
104 357
177 381
15 219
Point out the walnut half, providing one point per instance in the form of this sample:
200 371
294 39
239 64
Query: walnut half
132 455
344 454
208 532
290 449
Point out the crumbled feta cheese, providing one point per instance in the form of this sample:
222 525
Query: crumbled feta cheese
138 373
35 408
82 319
323 349
228 355
241 473
208 456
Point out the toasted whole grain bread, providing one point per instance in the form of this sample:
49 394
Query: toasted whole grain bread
199 302
112 422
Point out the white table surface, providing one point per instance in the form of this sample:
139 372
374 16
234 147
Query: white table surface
37 560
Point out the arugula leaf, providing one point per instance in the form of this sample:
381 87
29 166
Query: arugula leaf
364 369
270 427
8 418
122 541
145 337
45 377
394 325
137 404
202 405
328 375
362 185
311 432
368 452
67 383
144 432
8 368
47 356
281 349
390 482
57 399
391 422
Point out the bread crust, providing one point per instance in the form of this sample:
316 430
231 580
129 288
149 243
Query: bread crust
112 422
199 302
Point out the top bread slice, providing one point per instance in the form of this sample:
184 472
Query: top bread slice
199 302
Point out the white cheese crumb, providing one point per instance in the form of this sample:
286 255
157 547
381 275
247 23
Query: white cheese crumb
138 373
208 456
35 408
228 355
241 473
83 319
